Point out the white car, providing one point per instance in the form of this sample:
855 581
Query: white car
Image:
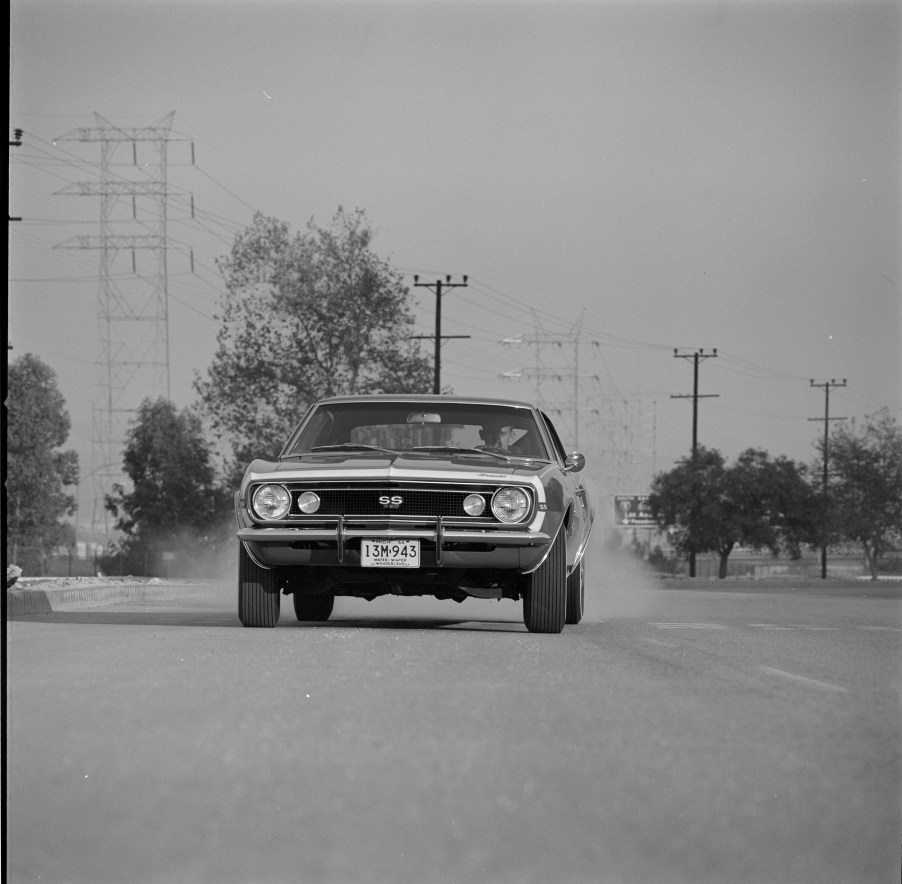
416 495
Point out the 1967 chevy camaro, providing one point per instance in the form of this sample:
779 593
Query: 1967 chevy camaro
416 495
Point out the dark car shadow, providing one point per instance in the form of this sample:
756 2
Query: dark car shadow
228 620
422 623
213 607
129 618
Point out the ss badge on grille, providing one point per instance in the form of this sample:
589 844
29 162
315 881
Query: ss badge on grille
391 503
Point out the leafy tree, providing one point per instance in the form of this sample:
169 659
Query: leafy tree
771 503
686 501
865 492
305 315
37 472
757 502
794 505
175 503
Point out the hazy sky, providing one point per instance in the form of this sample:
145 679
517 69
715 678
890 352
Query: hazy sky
658 175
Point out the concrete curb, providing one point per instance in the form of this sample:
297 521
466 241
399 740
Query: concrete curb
70 598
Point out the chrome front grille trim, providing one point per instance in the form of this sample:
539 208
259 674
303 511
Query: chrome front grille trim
361 501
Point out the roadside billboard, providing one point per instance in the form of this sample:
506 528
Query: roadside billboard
631 511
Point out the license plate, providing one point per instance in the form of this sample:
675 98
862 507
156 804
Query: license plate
390 553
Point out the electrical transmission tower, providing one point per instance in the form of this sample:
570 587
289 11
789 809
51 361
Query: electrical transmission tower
551 376
133 296
607 426
625 440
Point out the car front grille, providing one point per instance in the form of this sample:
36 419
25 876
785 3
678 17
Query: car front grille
391 500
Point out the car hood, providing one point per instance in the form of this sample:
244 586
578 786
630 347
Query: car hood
402 466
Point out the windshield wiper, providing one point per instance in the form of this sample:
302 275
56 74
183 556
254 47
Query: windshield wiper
352 446
453 449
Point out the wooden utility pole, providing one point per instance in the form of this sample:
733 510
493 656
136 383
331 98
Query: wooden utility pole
825 481
437 288
696 358
17 143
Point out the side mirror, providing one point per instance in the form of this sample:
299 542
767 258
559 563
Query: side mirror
575 461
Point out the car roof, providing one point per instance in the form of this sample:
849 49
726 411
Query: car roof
425 398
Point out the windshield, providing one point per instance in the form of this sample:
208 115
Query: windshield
425 426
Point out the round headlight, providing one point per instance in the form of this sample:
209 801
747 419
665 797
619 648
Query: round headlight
510 504
271 501
308 502
474 504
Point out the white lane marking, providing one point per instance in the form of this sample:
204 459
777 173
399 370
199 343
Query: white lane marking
812 627
804 680
688 625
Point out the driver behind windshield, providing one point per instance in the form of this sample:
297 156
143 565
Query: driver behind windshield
496 435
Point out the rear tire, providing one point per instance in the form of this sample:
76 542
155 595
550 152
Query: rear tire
313 608
576 593
259 601
545 600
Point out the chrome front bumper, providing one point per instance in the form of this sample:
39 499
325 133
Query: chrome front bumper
340 530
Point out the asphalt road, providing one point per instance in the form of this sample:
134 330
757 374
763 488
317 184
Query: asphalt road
728 733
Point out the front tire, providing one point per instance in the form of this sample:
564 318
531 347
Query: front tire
545 600
576 593
259 601
313 608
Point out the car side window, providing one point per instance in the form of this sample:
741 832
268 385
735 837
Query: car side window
555 439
